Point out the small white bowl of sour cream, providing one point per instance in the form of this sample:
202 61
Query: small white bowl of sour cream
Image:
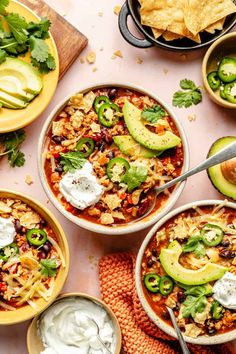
74 323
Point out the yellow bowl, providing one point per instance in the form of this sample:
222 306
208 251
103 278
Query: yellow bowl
34 343
11 119
27 312
224 46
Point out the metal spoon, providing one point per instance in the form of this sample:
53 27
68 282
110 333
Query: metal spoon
225 154
98 336
179 334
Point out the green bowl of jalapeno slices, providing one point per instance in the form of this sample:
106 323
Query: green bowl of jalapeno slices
188 262
219 71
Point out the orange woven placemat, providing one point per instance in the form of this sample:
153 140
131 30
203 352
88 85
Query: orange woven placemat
139 334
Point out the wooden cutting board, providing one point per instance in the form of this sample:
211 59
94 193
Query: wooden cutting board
70 42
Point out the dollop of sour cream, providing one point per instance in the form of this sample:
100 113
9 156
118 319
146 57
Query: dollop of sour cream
80 188
7 232
66 328
224 291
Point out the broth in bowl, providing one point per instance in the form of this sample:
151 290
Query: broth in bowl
106 150
189 265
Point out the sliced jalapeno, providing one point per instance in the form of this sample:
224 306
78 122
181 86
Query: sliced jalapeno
117 168
8 251
213 80
222 92
217 310
230 92
85 146
166 285
227 69
36 237
151 282
100 100
211 234
106 114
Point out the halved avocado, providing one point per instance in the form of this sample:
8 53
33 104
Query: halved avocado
138 130
13 86
169 258
130 147
215 173
30 78
9 101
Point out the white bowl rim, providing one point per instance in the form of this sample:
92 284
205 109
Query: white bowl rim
109 230
202 340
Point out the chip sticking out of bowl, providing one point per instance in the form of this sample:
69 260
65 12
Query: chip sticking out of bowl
182 18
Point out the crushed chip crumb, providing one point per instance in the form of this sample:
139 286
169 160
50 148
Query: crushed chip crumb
101 49
113 57
165 70
91 57
29 180
117 9
100 14
192 117
94 69
118 53
82 60
139 61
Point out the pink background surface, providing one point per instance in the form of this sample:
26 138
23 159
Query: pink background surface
160 73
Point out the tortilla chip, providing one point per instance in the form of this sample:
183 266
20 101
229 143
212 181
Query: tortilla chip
218 25
199 14
156 32
170 36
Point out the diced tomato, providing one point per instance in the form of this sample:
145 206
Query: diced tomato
129 210
70 208
122 196
3 286
129 199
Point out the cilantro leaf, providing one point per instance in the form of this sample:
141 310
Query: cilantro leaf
3 5
3 56
153 114
39 49
18 27
198 290
40 30
11 142
72 160
46 66
135 176
48 267
194 305
195 245
191 94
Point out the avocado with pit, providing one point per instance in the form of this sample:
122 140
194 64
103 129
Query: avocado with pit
138 130
169 258
130 147
28 76
215 174
12 102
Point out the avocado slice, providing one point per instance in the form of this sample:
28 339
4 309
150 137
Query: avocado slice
169 258
130 147
24 72
12 86
215 174
137 129
9 101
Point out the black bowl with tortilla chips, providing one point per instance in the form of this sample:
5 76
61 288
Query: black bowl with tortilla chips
177 25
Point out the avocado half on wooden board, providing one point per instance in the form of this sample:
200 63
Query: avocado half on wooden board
223 176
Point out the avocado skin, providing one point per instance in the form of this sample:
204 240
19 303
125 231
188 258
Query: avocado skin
137 129
214 173
169 258
125 142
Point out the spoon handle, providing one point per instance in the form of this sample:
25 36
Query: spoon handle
179 334
225 154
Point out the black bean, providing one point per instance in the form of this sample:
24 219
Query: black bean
18 226
112 93
46 247
42 255
111 154
150 263
43 223
224 253
59 168
225 243
181 296
57 139
211 331
154 252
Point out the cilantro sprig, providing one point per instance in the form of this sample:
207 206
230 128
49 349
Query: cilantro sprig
48 267
195 245
72 160
153 114
23 36
135 176
9 144
190 95
195 301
